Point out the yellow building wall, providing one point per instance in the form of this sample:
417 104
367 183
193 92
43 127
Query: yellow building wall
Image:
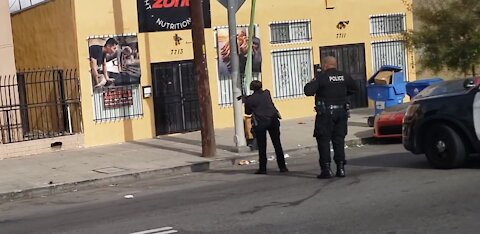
324 33
99 18
119 17
44 36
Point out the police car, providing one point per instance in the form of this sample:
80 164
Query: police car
443 122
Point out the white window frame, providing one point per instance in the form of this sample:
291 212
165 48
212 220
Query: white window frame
293 28
381 25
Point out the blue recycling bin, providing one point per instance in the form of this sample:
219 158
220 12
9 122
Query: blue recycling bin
387 87
415 87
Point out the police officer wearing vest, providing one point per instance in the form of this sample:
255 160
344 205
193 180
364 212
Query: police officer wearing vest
331 87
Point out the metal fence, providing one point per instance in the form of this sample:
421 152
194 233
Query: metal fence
39 104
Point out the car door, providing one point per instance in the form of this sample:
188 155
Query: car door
476 114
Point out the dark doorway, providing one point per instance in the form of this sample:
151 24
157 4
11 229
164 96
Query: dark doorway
351 59
175 97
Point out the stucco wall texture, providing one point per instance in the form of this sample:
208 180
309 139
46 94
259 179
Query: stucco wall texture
55 34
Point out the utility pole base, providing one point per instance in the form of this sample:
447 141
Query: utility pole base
242 149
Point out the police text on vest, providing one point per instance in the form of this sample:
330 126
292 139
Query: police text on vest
336 78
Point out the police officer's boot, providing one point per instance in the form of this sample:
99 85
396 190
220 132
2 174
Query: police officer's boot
326 172
340 169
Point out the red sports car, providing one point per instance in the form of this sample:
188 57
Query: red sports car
388 124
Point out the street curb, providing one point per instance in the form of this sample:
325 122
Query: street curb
206 165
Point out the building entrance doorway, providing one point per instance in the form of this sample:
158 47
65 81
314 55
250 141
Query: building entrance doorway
351 59
175 97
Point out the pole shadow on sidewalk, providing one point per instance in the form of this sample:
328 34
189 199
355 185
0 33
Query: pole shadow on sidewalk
194 142
163 147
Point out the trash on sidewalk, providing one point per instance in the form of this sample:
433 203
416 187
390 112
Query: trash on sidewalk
271 158
128 196
252 161
286 156
243 162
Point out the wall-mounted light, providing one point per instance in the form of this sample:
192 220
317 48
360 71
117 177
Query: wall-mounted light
147 91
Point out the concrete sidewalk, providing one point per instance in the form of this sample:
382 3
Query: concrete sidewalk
64 171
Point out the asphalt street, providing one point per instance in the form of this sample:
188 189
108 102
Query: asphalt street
387 190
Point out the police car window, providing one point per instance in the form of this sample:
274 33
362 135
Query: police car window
442 88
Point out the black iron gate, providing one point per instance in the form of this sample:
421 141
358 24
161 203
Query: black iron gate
175 97
39 104
351 59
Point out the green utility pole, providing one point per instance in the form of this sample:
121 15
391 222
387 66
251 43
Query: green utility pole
209 148
248 67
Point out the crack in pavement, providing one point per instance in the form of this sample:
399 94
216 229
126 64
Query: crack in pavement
354 176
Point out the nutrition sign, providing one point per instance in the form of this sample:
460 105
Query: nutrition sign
168 15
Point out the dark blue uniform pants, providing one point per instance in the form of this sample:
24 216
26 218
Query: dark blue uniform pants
273 128
331 126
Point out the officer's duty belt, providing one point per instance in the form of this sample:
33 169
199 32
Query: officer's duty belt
334 107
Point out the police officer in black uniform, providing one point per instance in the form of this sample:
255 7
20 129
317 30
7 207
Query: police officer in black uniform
331 87
265 118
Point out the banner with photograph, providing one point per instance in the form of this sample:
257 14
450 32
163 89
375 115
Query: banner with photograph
223 50
115 75
114 61
168 15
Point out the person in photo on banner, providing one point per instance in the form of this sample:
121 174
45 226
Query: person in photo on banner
98 61
128 62
114 61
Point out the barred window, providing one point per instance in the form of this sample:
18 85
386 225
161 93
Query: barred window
225 92
114 103
387 24
287 32
389 53
292 70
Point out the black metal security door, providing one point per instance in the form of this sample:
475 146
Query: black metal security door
175 97
351 59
